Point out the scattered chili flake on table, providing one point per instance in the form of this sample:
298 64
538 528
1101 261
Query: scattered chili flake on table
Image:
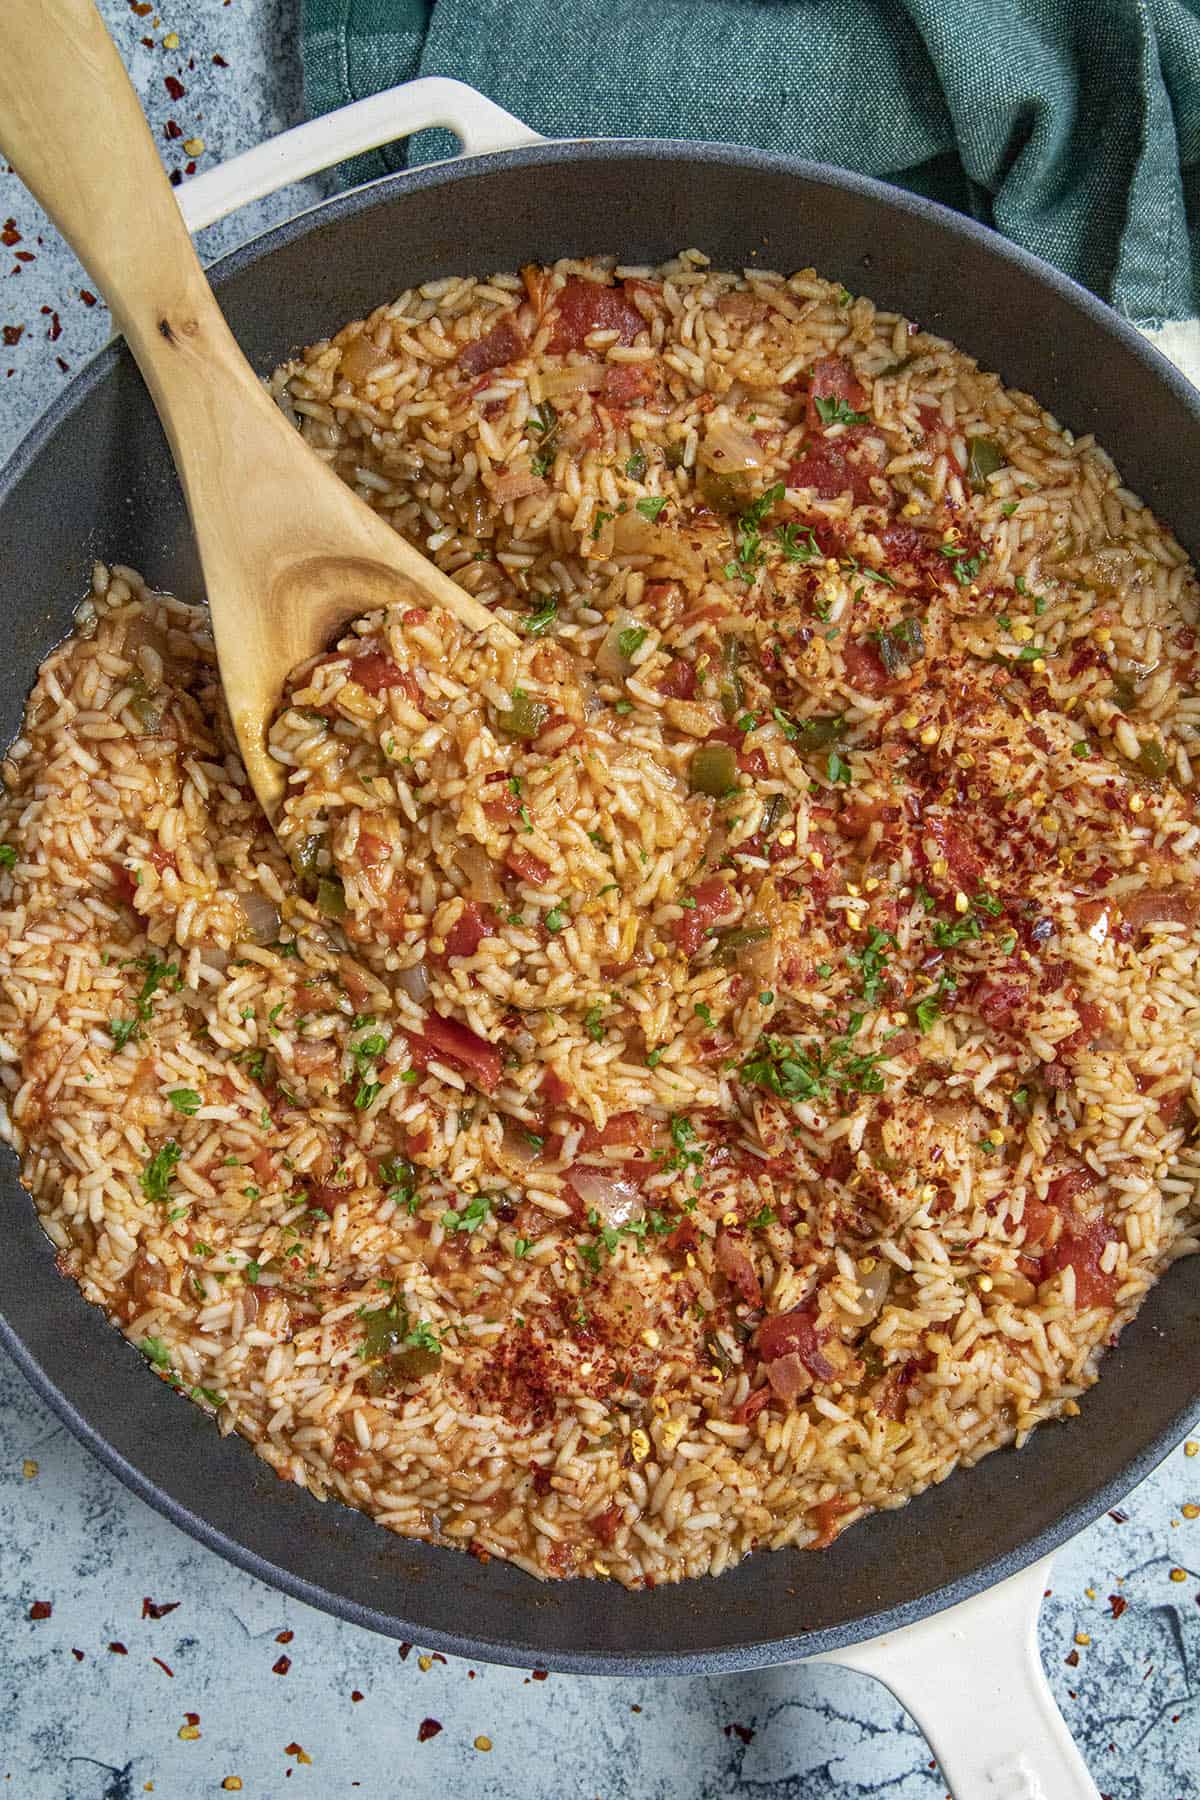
1118 1604
745 1732
301 1755
356 1695
428 1728
152 1609
1072 1659
41 1609
282 1666
166 1669
284 1637
118 1649
78 1655
405 1652
540 1675
174 87
12 334
1118 1517
87 296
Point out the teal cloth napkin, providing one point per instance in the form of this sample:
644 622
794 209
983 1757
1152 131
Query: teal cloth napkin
1072 126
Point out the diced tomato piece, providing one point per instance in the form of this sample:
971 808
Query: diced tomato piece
679 681
750 762
626 383
372 850
619 1128
322 1196
864 667
997 999
528 867
391 919
468 931
733 1260
582 307
826 468
1177 905
375 671
684 1237
555 1089
502 344
124 881
751 1406
930 417
1039 1220
1081 1247
902 544
825 1517
162 859
263 1164
604 1525
858 815
785 1334
456 1043
965 866
1065 1188
833 379
712 901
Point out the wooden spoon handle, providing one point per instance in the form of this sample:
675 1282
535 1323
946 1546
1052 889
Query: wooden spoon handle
74 131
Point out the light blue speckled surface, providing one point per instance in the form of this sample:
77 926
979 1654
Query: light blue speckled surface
79 1720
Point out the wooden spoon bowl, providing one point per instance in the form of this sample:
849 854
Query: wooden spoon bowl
289 553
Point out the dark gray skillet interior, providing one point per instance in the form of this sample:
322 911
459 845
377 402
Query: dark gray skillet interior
96 480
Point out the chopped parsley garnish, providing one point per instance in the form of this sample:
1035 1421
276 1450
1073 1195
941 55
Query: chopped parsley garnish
471 1217
965 567
630 641
651 506
761 1220
599 522
749 549
948 933
522 1246
156 973
399 1178
989 904
927 1012
838 769
8 856
185 1100
593 1022
870 963
155 1179
704 1014
537 624
833 410
251 1273
544 423
791 1071
555 919
635 466
797 548
155 1351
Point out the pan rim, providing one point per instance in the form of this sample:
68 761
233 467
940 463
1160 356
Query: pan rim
762 1651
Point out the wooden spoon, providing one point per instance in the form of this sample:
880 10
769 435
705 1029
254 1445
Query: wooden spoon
289 553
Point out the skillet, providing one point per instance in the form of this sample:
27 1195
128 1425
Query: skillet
95 480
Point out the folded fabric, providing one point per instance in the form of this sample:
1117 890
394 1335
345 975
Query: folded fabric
1072 126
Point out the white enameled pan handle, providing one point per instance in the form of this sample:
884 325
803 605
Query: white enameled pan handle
973 1680
480 125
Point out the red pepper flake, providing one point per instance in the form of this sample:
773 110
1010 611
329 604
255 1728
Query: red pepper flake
284 1637
174 87
13 334
1118 1517
189 168
405 1652
78 1655
142 8
355 1695
437 1657
219 62
175 178
63 365
87 296
282 1666
1072 1659
192 1718
118 1649
172 130
540 1675
10 235
41 1609
149 43
745 1732
638 1710
163 1666
428 1728
152 1609
24 256
1118 1603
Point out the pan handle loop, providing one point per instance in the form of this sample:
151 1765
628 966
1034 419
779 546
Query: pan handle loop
972 1678
481 126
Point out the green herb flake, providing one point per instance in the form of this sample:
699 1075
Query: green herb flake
156 1352
593 1022
630 641
185 1100
471 1217
8 856
635 466
651 506
155 1179
833 410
